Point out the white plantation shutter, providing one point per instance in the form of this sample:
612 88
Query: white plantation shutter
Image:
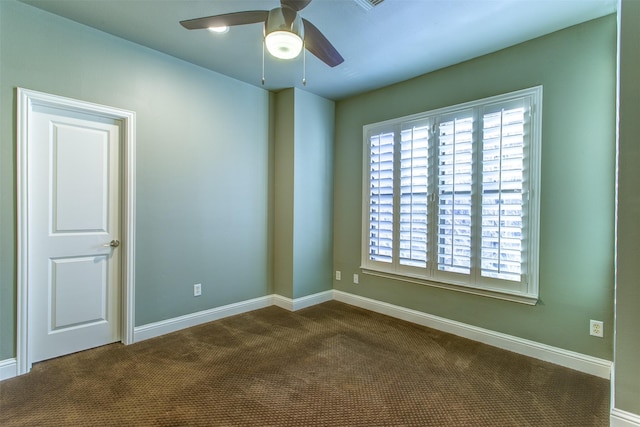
381 197
455 175
503 154
451 199
414 158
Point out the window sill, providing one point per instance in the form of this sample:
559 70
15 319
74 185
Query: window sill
519 297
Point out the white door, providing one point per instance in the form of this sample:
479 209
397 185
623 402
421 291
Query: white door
73 216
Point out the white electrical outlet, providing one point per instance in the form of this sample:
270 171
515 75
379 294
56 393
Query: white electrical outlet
338 275
596 328
356 279
197 289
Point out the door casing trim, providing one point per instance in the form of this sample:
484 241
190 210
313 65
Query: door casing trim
26 100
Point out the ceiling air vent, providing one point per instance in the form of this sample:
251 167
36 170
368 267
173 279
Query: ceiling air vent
368 4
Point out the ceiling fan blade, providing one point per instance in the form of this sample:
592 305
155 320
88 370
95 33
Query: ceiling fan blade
227 19
296 5
317 43
289 15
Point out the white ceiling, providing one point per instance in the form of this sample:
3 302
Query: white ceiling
394 41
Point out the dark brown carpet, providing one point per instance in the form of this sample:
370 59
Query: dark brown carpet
327 365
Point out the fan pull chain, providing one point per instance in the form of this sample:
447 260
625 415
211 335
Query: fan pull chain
263 62
304 64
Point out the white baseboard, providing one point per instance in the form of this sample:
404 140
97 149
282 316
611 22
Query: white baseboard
152 330
580 362
303 302
569 359
620 418
8 369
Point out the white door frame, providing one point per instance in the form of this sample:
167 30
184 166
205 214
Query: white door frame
26 100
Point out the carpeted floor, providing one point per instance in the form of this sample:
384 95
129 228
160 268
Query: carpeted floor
327 365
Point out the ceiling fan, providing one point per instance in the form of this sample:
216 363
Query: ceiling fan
285 32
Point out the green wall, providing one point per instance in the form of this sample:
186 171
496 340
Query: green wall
303 193
627 345
284 193
202 162
577 68
313 177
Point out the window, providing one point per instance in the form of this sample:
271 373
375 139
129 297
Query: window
451 197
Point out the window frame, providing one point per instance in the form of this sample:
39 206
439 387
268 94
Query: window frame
525 291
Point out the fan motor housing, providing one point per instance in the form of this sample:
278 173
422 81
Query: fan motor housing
284 19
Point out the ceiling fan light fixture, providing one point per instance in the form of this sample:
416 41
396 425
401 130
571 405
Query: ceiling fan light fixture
283 33
219 30
283 44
